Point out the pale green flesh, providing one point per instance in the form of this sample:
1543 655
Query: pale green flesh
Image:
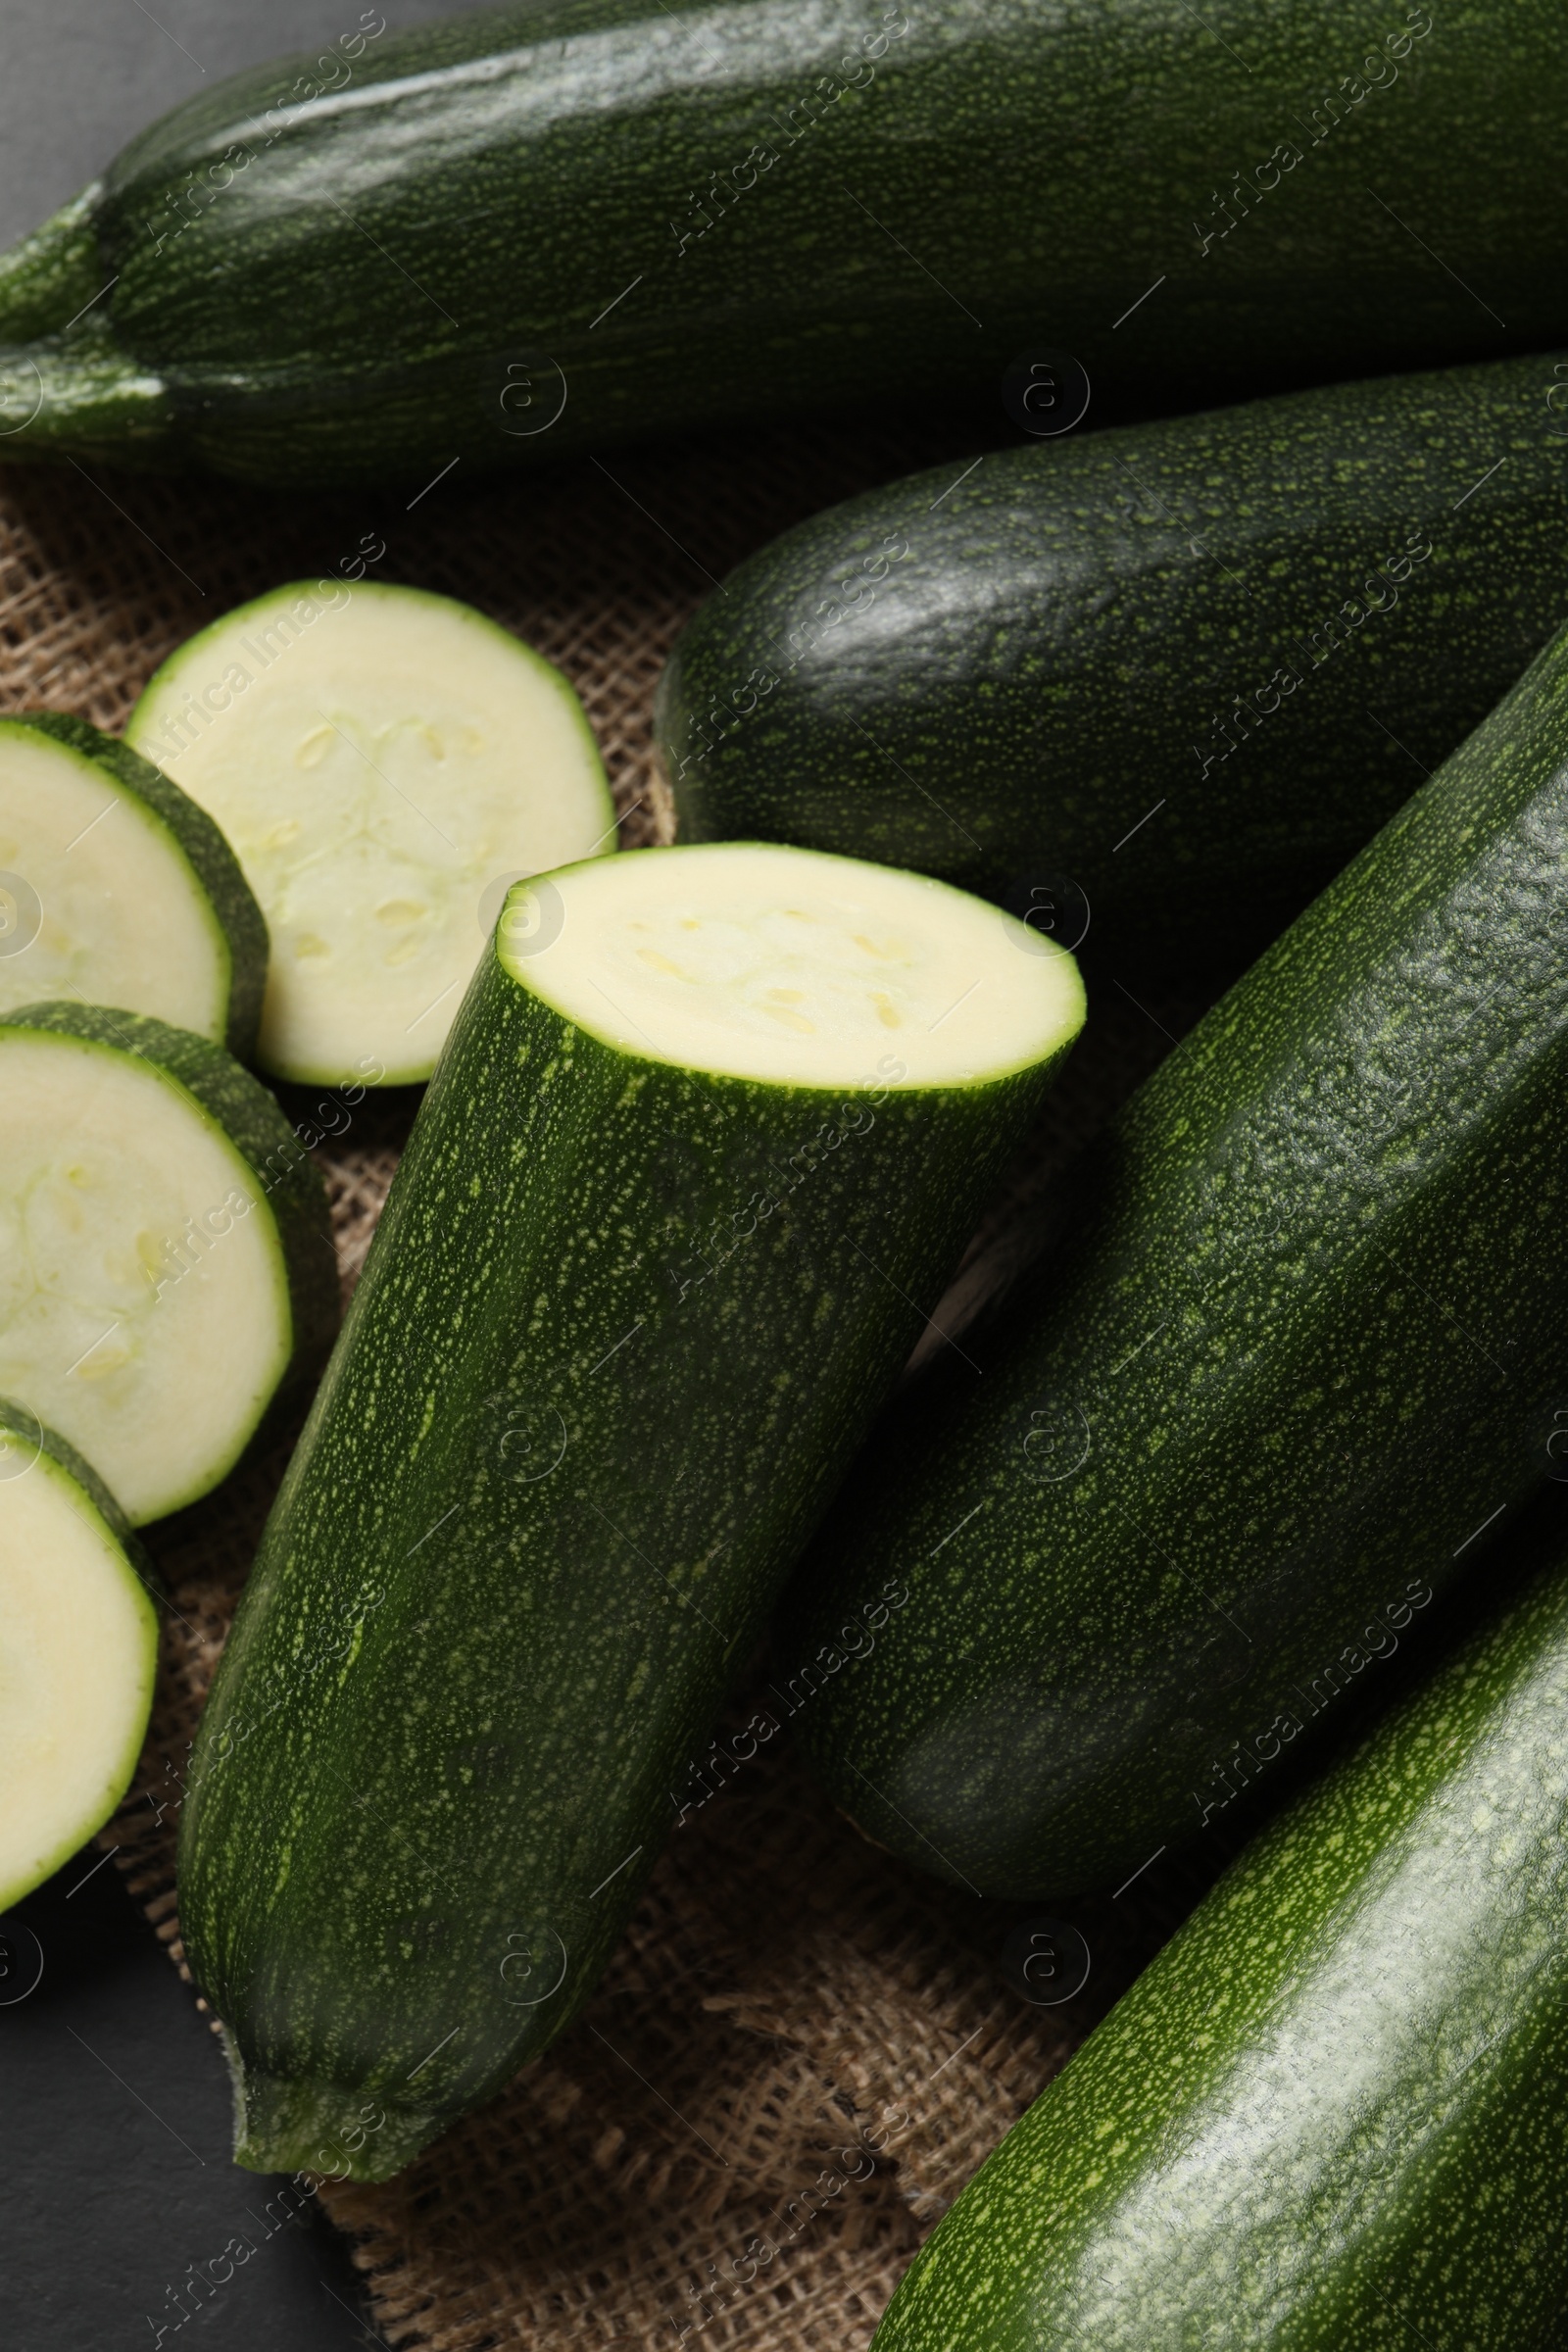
143 1304
98 902
756 960
79 1648
385 763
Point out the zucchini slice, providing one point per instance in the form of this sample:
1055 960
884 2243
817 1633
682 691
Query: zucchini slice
114 889
385 763
78 1650
165 1263
711 1131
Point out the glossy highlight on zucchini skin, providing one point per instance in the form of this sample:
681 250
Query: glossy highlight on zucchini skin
560 1462
1330 2111
1306 1347
512 235
1167 678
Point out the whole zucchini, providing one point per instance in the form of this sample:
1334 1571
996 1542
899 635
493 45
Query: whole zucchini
1154 686
1302 1353
515 235
708 1132
1330 2113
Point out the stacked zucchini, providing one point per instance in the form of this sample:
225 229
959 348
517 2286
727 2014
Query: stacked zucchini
710 1128
707 1126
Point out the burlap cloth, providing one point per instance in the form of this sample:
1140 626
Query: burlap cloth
788 1999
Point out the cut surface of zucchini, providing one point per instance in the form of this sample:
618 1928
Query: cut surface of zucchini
145 1306
384 762
753 959
79 1650
116 889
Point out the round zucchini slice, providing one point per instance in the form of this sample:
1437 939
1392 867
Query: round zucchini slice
114 889
165 1264
385 763
78 1650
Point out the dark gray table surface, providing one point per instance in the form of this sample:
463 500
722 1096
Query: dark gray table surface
123 2222
79 78
121 2213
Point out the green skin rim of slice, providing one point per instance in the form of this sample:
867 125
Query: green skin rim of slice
164 680
93 1502
237 922
242 1116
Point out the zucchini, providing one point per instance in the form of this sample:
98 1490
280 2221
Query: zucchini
78 1650
1158 685
1298 1360
166 1260
117 890
505 237
711 1128
1330 2112
386 763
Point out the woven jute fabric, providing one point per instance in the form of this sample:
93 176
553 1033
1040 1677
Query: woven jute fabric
802 2050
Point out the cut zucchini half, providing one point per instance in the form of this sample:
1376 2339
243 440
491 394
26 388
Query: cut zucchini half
753 960
78 1651
116 889
385 763
166 1261
711 1131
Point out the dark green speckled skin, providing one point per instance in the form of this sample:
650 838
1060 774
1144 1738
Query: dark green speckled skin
1308 1341
998 682
326 269
211 861
540 1509
1329 2114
